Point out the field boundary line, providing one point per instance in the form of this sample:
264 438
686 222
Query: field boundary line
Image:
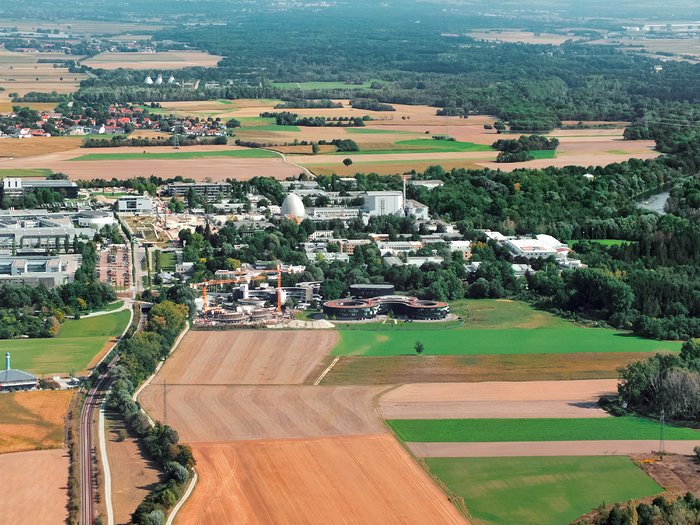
325 372
105 463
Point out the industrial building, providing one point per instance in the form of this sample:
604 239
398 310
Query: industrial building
16 188
47 271
12 380
38 232
134 204
399 305
212 191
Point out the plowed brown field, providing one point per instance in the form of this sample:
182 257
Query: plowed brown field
351 480
497 400
252 357
33 487
221 413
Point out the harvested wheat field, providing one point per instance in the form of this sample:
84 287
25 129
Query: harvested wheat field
20 148
348 480
33 420
534 399
248 357
133 477
524 37
33 487
22 72
160 60
221 413
203 162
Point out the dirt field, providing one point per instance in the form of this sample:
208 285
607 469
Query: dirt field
222 413
248 357
214 168
132 476
32 420
525 37
160 60
677 474
547 448
22 72
455 369
33 487
350 480
496 400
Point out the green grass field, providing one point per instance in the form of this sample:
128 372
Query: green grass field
540 490
238 153
544 154
491 327
74 347
20 173
374 131
426 146
536 429
273 127
604 242
167 261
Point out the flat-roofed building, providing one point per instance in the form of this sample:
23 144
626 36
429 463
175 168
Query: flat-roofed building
134 204
210 190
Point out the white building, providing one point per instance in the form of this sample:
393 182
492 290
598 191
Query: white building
383 202
396 247
540 246
293 207
134 204
95 219
335 213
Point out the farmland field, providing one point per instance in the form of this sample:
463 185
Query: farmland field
374 370
321 85
236 153
20 173
72 349
540 491
536 429
33 487
33 420
160 61
491 327
24 72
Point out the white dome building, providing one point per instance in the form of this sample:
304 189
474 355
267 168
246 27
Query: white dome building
148 81
293 207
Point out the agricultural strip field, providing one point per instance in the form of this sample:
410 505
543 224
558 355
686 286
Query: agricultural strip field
425 146
361 370
20 173
71 350
322 85
33 486
133 477
239 153
247 357
348 480
163 60
33 420
536 429
540 491
532 399
396 341
203 413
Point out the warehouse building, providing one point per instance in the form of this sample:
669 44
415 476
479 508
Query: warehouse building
12 380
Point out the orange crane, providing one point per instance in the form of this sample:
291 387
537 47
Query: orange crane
246 277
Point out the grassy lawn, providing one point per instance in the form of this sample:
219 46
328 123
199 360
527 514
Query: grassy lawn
604 242
491 327
167 261
116 305
559 429
272 127
541 490
544 154
425 146
77 343
238 153
374 131
20 172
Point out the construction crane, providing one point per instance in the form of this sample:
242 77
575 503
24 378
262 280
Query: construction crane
245 277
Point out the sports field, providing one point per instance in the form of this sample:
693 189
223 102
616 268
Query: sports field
543 490
236 153
536 429
491 327
71 350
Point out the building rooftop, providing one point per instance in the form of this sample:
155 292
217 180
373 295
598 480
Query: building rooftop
16 376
